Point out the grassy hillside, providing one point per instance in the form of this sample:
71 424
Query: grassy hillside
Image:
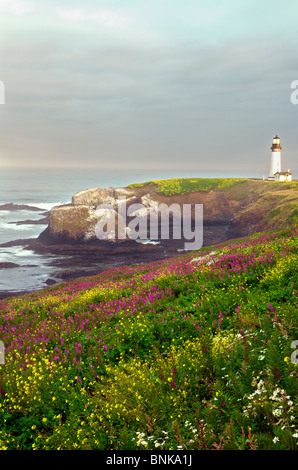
248 205
193 353
188 185
181 186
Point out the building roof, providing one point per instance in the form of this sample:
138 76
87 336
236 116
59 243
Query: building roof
282 173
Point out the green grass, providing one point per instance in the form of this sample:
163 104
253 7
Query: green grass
273 213
293 218
187 185
193 352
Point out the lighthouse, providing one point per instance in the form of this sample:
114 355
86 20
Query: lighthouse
275 162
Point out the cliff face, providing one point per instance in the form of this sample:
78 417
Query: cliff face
246 207
97 196
77 223
269 206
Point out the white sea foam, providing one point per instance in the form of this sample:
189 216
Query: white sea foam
48 205
147 242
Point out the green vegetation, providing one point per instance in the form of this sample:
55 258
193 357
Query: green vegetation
195 352
293 218
188 185
273 213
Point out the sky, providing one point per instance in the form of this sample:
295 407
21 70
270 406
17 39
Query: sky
149 84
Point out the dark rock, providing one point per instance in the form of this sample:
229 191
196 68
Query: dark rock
50 282
18 207
9 294
19 242
7 265
43 221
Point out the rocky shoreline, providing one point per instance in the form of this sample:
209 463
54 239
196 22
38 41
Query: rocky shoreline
73 261
19 207
229 214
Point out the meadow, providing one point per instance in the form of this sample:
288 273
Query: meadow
194 352
174 186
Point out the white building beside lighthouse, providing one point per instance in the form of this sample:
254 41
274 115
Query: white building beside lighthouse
275 173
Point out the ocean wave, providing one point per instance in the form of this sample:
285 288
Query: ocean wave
49 205
25 206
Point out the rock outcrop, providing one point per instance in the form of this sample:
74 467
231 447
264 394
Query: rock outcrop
82 223
93 212
99 196
8 265
75 222
236 211
19 207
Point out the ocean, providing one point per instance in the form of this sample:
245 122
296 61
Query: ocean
44 188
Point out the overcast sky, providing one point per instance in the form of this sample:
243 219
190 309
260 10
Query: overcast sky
148 83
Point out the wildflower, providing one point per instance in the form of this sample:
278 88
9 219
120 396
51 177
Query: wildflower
275 440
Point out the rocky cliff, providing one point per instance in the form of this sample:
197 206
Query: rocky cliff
243 208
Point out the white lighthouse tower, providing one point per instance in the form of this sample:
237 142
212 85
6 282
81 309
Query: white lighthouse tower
275 162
